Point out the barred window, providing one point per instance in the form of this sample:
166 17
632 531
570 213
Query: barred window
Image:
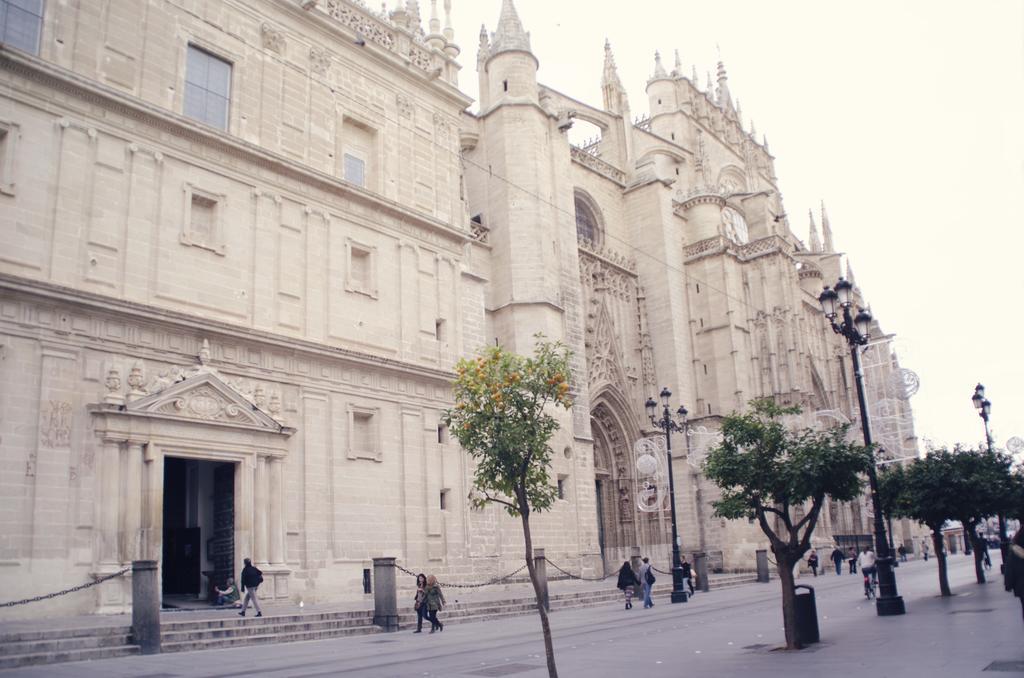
587 226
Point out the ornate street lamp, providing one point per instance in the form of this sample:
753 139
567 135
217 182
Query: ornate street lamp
836 304
984 407
669 425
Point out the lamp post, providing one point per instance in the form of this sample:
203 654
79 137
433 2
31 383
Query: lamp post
667 424
984 407
837 304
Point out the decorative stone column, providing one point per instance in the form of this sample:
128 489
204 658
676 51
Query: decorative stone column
261 506
132 507
275 509
109 501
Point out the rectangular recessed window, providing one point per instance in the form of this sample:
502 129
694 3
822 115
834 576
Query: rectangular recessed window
355 170
364 433
203 220
444 500
440 331
207 88
563 490
8 138
21 22
442 434
360 268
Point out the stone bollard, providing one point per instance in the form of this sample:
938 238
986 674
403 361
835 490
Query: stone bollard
762 566
540 565
385 594
145 606
700 565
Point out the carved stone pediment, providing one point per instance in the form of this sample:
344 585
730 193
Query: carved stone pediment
204 396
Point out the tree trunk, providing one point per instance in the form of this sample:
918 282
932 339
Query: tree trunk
784 565
549 648
940 555
979 554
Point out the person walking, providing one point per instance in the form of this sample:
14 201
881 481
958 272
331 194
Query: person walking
812 562
420 601
647 581
251 579
924 550
902 550
627 583
435 602
1013 571
838 558
853 561
687 574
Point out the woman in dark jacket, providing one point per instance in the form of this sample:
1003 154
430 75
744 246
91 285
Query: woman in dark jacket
420 601
1013 572
435 601
627 581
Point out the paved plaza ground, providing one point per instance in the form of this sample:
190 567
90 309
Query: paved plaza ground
733 632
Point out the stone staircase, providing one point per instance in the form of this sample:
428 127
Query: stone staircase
65 645
230 630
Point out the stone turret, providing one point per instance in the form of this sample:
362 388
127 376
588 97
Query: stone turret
724 97
660 89
510 66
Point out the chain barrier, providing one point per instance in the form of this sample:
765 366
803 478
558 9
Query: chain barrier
467 586
570 575
80 587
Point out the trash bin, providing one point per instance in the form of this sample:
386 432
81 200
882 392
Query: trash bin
806 616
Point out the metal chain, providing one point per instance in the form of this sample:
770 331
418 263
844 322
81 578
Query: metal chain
570 575
660 571
467 586
80 587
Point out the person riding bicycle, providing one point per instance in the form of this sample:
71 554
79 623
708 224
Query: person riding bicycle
866 562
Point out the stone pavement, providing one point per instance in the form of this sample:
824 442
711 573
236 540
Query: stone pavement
727 633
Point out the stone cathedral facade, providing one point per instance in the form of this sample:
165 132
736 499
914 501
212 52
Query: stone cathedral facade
243 243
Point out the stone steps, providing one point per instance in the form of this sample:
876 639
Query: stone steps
47 647
11 661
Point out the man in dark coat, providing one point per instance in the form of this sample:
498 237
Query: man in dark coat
838 558
1013 572
251 579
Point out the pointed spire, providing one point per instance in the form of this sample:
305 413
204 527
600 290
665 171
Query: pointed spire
710 88
449 32
693 75
764 143
659 70
753 130
849 273
484 50
724 99
826 229
739 112
814 241
510 35
415 22
614 93
678 70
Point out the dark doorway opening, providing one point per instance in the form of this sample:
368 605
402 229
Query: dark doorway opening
599 495
198 528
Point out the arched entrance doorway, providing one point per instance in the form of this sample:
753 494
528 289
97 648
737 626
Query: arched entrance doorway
621 525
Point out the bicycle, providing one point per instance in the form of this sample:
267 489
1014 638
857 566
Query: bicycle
870 583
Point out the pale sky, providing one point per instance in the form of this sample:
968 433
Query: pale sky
907 118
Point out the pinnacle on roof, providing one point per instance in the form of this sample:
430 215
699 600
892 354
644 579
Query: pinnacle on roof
435 23
710 89
611 73
693 75
659 70
814 241
724 99
678 70
484 50
849 273
826 229
510 35
449 32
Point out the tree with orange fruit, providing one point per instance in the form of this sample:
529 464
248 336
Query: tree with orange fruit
503 418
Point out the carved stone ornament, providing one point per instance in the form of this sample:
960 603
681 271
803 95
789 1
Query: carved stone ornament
273 38
319 60
113 386
136 381
405 107
204 396
55 423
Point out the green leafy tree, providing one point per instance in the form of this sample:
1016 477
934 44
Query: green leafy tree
923 492
766 472
503 418
981 479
